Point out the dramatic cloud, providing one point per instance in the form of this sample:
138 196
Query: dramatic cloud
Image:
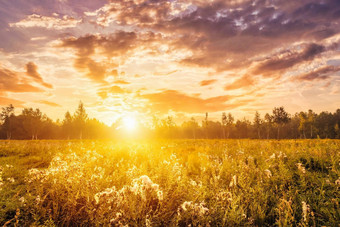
180 102
31 70
35 20
7 101
244 81
288 59
115 45
321 73
188 56
226 35
11 81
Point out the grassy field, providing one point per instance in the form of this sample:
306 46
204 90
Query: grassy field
170 183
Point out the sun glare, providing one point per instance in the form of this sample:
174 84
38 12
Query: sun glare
129 123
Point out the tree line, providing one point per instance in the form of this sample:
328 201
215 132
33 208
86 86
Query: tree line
33 124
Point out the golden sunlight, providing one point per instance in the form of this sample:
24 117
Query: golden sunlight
129 123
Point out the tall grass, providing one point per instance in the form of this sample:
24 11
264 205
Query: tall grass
170 183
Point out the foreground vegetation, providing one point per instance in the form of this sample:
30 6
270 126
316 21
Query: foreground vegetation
170 183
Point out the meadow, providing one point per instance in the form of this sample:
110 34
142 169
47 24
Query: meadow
170 183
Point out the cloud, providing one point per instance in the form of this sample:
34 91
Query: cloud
48 103
31 70
288 59
321 73
207 82
105 91
226 35
180 102
47 22
114 45
11 81
121 82
4 101
243 82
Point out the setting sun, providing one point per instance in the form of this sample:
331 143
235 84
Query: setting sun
129 123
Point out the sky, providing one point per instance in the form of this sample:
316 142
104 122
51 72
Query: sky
170 57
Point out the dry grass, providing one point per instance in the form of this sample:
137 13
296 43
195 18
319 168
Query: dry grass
170 183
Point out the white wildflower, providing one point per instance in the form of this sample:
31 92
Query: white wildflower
11 179
160 195
337 182
268 173
22 199
305 210
301 168
233 181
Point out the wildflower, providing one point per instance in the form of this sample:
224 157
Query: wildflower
202 209
193 183
147 222
233 181
224 196
185 205
22 199
268 173
301 168
11 179
116 221
38 199
305 210
337 182
160 195
193 208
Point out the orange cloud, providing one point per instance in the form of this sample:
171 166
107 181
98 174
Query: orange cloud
207 82
104 92
6 101
244 81
48 103
180 102
117 44
121 82
31 70
11 81
36 20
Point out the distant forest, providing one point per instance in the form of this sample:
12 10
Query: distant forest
33 124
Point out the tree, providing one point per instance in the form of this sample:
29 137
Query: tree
303 123
67 125
7 115
242 128
280 117
80 117
311 121
269 122
258 123
229 123
224 123
33 121
193 126
205 123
